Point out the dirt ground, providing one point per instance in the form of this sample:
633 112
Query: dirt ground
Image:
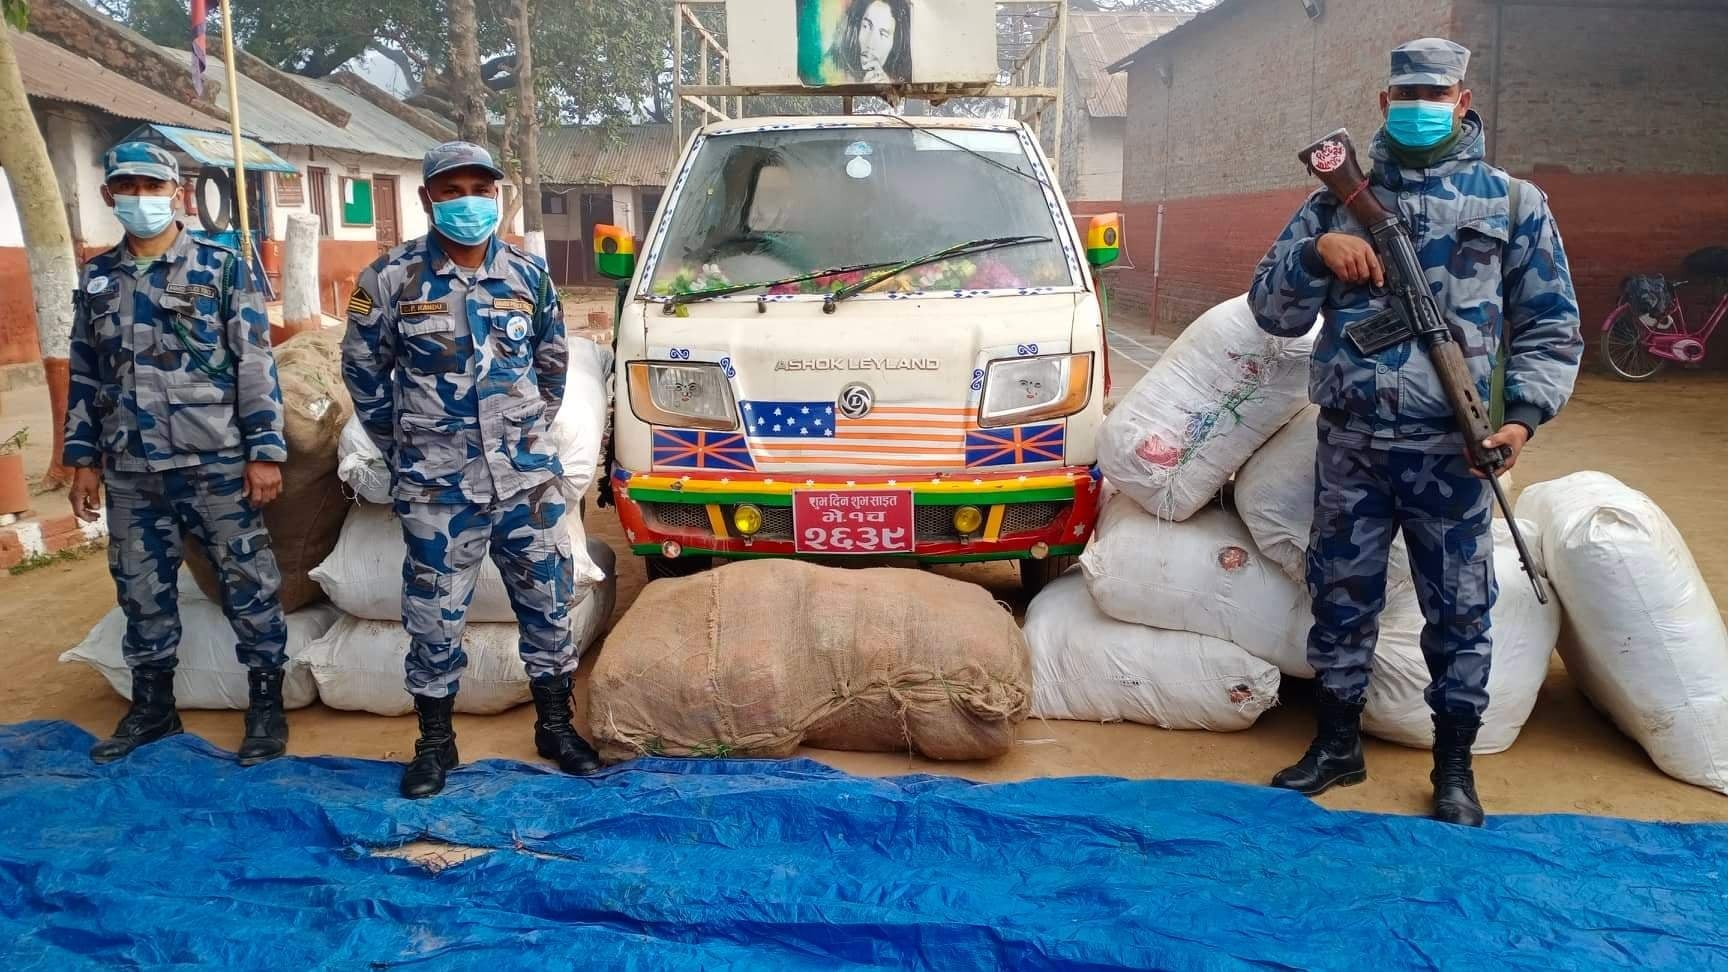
1668 438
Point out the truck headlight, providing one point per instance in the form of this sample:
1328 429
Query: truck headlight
691 395
1022 390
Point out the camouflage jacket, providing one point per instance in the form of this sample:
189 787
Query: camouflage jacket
1497 276
171 366
461 417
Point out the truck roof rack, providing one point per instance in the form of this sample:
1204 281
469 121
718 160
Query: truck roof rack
1030 83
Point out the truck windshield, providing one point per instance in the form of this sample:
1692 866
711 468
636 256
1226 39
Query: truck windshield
763 206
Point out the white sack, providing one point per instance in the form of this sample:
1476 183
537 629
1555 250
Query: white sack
1089 667
363 575
1217 393
1647 643
1202 575
1524 633
1274 495
578 431
360 465
208 675
359 664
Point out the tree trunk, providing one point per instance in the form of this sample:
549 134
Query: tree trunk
47 239
465 70
528 139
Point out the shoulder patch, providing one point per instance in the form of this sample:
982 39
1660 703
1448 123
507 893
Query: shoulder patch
513 303
421 308
360 303
194 290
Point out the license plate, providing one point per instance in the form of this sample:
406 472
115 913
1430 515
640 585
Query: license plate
862 521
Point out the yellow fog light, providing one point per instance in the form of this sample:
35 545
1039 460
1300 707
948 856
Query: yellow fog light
968 520
747 520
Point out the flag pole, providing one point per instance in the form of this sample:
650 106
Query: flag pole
239 146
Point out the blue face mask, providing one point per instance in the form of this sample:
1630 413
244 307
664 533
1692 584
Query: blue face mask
144 216
1420 124
470 220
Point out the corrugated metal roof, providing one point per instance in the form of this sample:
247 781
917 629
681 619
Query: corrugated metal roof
1098 40
584 155
275 120
58 74
375 121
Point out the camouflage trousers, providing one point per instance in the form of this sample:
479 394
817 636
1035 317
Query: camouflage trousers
1362 496
148 515
447 544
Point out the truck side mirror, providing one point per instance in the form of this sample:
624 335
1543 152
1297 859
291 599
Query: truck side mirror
1104 239
614 252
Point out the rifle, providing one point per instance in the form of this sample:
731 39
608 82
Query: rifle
1414 313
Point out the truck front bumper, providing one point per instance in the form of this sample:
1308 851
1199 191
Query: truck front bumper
1048 513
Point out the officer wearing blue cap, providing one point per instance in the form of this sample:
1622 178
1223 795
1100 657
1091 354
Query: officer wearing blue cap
1389 457
455 358
174 406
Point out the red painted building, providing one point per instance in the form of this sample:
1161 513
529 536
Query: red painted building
1615 108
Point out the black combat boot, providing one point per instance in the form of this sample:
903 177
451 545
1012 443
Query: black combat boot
266 723
1455 799
1335 756
151 717
435 752
554 736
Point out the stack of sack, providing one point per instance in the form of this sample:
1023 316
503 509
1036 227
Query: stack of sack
1176 620
1646 643
350 649
1190 610
358 664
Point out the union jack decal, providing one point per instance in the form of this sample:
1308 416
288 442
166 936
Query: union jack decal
697 449
1016 446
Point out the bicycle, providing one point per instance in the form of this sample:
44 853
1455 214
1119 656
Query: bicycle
1646 331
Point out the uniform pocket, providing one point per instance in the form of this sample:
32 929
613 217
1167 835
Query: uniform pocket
201 418
431 346
431 451
528 437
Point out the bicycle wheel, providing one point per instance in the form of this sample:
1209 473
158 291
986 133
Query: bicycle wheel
1623 348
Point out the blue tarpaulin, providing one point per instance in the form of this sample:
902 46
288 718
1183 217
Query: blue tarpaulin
177 856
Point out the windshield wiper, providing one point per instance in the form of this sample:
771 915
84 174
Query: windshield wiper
674 302
958 249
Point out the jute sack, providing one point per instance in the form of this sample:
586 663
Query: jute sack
756 657
306 519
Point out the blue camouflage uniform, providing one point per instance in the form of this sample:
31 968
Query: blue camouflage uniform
456 376
1390 456
173 389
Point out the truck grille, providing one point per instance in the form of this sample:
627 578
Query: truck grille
933 523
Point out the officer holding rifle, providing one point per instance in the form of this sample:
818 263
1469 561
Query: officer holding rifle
1391 452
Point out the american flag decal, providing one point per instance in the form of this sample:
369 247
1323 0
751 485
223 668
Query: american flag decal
813 435
697 449
1015 446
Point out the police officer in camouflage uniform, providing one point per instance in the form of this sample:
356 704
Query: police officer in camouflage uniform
455 357
1390 457
175 407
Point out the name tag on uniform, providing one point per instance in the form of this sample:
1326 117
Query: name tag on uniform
194 290
513 303
421 308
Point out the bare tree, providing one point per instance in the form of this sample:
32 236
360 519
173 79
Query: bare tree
47 236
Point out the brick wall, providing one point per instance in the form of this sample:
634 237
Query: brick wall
17 309
1614 109
1249 85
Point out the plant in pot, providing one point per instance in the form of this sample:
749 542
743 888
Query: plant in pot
14 486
